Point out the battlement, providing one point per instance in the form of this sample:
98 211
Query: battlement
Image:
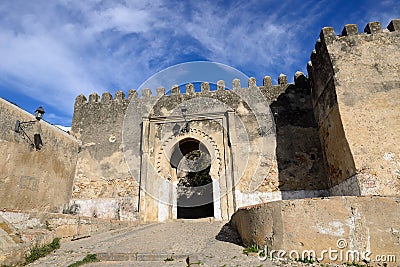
331 50
350 34
189 89
328 35
106 97
372 44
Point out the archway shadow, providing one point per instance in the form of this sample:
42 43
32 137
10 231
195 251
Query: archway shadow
229 234
299 155
302 167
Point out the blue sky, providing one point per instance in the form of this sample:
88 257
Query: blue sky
52 51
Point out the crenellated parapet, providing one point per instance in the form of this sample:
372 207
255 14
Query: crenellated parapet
186 89
107 109
328 35
99 112
332 48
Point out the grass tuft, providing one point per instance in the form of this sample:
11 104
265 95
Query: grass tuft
89 258
250 249
169 259
306 260
354 264
40 251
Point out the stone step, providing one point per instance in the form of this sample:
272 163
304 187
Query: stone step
113 256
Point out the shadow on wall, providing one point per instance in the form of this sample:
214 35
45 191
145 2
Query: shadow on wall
301 164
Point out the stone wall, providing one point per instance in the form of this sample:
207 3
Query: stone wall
30 179
356 95
103 186
344 224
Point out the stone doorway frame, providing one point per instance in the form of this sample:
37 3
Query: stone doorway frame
157 209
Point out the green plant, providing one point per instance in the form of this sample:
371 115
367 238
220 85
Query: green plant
354 264
195 263
48 227
169 259
201 162
40 251
89 258
305 260
250 249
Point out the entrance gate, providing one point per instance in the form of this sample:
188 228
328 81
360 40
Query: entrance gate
169 159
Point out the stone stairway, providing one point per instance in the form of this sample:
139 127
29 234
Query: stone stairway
204 242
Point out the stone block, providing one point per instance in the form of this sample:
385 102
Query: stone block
350 29
344 224
373 27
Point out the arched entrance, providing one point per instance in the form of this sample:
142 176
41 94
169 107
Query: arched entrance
167 154
191 161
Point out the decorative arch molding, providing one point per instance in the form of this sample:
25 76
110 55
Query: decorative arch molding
170 144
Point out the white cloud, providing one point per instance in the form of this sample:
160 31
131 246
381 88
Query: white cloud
120 18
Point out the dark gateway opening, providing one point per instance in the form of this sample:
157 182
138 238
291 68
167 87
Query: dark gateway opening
195 193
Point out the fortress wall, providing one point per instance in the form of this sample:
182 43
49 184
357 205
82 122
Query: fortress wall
103 186
34 180
356 95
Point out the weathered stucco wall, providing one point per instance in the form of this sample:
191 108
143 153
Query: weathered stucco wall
356 94
368 223
103 186
39 180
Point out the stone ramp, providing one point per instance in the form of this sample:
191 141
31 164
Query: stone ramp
151 245
8 235
10 243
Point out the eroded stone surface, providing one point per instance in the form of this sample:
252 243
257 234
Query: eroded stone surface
362 224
